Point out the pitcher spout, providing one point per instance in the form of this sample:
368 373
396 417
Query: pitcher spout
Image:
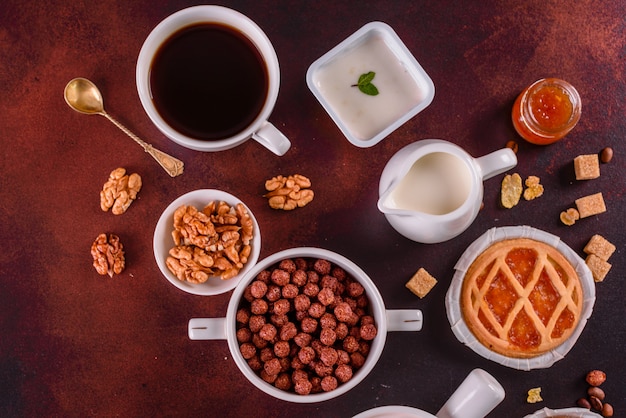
388 206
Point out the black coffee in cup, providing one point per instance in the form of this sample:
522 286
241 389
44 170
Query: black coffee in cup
208 81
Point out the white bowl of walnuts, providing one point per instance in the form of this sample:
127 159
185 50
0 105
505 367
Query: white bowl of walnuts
206 241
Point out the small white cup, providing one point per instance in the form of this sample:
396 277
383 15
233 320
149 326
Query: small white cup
386 320
260 129
566 412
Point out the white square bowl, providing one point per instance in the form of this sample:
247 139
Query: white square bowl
405 89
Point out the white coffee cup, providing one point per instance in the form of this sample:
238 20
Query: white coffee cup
260 129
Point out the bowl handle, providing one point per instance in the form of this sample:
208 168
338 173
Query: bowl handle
404 320
207 329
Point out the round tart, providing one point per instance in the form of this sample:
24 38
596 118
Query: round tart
521 298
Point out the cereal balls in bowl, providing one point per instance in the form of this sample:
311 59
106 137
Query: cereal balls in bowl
305 325
205 241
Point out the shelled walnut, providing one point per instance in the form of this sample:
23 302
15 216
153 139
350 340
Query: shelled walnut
290 192
212 242
108 255
119 191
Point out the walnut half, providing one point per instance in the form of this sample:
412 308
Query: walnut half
119 191
108 255
288 193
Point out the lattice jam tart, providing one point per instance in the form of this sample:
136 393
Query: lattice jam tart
521 298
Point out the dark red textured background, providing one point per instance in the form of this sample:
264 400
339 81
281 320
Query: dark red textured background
73 343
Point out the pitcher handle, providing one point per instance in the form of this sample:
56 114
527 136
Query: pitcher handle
496 162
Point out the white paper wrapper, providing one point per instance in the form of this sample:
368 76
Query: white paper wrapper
453 307
568 412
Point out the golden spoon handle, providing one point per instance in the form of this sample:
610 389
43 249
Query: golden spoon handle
173 166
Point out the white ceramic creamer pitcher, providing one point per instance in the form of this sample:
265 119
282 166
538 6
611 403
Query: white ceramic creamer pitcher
475 397
431 190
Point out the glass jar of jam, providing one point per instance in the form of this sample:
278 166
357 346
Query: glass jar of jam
546 111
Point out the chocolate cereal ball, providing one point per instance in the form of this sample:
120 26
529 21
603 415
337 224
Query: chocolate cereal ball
247 350
255 364
299 278
273 293
302 339
282 349
280 277
268 332
316 310
283 381
258 289
243 315
308 325
329 383
329 356
288 265
302 303
339 273
272 367
288 331
343 372
279 320
258 306
322 266
256 323
368 332
343 312
328 320
290 291
328 336
306 354
244 335
326 296
303 387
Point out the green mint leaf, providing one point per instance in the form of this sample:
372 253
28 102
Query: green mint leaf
366 78
369 89
365 84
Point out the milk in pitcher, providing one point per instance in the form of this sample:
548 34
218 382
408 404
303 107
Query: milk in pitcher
437 183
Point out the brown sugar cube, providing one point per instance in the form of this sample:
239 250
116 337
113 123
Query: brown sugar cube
590 205
599 246
421 283
599 268
587 167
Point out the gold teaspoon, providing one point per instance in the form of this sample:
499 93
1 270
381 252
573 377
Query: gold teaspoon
83 96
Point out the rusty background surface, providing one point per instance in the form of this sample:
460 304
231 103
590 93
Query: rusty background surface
75 344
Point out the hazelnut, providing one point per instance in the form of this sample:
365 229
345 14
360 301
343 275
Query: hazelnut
583 403
607 410
595 377
513 145
606 154
595 403
596 391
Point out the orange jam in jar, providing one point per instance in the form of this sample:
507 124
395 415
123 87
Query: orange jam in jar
546 111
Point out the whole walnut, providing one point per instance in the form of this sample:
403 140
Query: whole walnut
108 255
